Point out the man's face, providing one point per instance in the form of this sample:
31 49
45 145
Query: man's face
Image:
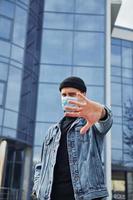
70 92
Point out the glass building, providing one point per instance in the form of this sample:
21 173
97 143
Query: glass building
41 43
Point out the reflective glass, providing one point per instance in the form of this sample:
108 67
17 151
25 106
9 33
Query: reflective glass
127 60
9 132
60 73
3 71
2 87
96 94
10 119
92 6
89 23
88 74
127 93
117 110
13 88
5 32
128 73
116 94
117 155
1 116
58 20
17 53
4 48
116 71
89 49
49 103
57 47
40 132
116 55
7 8
116 136
20 25
60 5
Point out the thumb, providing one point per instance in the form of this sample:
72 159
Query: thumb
85 128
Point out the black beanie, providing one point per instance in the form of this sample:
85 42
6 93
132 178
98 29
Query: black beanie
74 82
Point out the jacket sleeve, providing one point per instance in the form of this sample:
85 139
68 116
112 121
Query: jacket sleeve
37 175
103 126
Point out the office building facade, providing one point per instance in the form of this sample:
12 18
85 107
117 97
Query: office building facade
41 43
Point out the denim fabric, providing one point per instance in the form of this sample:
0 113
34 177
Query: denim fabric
84 158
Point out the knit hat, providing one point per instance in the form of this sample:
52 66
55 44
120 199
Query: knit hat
74 82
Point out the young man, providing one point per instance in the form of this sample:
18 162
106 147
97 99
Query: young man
71 165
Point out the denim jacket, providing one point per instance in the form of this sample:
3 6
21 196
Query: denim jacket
85 161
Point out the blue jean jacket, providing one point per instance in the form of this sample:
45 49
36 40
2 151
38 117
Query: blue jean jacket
84 153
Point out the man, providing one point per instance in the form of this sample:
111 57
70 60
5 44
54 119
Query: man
71 165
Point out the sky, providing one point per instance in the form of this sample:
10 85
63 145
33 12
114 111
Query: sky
125 17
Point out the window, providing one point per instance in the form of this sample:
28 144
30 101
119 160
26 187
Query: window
7 8
96 93
127 57
13 88
60 73
57 47
5 32
116 56
60 5
92 6
3 71
117 136
116 94
10 119
17 53
89 49
58 20
88 74
49 103
2 90
4 48
20 25
89 23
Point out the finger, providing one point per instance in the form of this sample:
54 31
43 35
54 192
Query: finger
72 114
75 109
85 128
81 96
77 103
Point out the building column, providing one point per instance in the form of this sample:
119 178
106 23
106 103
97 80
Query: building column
27 174
107 152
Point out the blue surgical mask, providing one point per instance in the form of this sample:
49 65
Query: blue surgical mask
66 103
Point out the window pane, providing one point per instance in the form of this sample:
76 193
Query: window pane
5 32
17 53
49 103
4 48
116 94
9 132
60 73
96 94
59 21
88 74
2 87
3 71
116 56
116 71
128 73
55 49
92 6
89 23
1 116
60 5
13 89
89 49
10 119
127 57
117 155
6 8
117 136
20 23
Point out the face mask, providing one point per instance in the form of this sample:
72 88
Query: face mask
66 103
